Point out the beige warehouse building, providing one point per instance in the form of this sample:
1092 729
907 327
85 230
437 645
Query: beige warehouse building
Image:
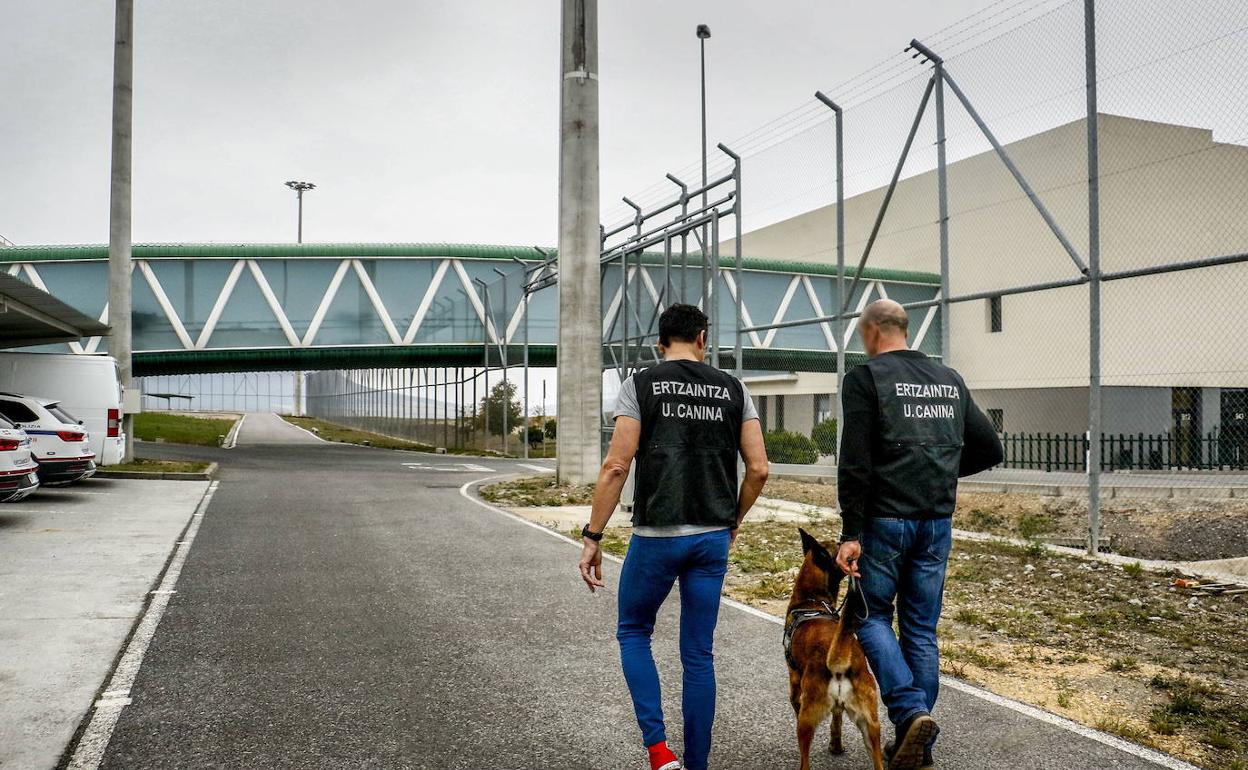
1175 346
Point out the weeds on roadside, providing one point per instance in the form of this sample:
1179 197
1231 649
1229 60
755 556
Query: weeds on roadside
1124 729
1134 570
1122 665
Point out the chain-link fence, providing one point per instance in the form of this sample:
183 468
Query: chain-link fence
231 392
476 409
1085 276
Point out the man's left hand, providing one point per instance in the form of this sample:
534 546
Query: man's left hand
591 565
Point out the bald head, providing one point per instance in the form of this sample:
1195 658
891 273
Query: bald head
889 316
883 327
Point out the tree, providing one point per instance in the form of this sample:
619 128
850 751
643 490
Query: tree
502 396
551 428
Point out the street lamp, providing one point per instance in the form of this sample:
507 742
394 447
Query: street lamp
299 187
704 32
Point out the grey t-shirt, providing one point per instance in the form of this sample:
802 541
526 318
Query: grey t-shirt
626 406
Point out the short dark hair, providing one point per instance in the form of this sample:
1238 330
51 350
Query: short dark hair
681 322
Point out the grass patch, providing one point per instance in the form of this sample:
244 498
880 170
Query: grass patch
1123 665
180 429
975 657
332 431
1163 722
1124 729
143 465
1033 525
1134 570
970 617
538 491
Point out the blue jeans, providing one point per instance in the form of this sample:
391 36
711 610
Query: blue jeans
653 564
904 561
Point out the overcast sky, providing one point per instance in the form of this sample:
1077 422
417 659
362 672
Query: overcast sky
417 120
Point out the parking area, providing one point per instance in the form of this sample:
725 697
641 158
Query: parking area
76 565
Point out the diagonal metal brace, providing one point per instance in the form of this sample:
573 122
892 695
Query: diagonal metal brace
1005 158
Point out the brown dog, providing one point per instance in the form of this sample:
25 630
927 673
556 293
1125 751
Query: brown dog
828 671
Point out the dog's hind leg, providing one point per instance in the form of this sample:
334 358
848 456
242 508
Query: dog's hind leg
835 745
863 710
814 707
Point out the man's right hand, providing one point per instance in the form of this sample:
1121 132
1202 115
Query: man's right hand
591 564
847 557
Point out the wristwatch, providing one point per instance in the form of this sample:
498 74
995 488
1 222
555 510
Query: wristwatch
595 536
848 539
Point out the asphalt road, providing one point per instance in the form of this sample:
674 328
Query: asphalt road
344 607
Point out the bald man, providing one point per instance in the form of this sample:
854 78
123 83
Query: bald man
911 429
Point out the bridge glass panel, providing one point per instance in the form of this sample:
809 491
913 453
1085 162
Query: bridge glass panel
299 286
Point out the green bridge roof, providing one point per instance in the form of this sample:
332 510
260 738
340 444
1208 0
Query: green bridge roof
63 253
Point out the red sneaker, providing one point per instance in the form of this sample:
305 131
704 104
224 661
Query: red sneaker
662 758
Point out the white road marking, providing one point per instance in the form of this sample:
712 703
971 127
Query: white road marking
90 749
538 468
231 439
454 468
1149 755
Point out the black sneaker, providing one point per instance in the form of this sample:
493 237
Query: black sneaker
912 750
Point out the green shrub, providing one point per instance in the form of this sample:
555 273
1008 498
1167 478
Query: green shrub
787 447
824 435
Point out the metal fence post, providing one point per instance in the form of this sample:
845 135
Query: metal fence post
736 265
1094 284
840 263
942 184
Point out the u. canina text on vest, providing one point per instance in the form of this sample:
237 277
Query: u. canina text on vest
928 391
692 390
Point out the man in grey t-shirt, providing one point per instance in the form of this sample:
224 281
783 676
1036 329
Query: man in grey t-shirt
686 424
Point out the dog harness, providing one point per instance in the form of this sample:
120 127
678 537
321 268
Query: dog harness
796 617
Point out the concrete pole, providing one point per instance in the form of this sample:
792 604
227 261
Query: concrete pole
119 243
1094 284
580 305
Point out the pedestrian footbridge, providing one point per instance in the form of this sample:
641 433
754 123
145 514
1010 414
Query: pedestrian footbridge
273 307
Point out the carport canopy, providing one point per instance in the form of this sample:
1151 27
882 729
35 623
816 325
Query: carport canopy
30 316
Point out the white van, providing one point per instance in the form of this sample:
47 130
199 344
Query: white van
88 386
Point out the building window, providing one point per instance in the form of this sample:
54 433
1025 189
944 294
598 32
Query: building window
994 314
779 412
823 407
997 418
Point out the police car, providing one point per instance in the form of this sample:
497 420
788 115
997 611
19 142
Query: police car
18 471
62 447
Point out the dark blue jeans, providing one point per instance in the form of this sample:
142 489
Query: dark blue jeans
903 562
653 564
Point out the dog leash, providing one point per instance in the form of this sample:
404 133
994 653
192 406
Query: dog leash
854 585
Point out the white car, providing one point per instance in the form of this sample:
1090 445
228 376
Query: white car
61 445
18 471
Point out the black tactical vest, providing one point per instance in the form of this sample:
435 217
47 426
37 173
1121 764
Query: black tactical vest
690 439
922 413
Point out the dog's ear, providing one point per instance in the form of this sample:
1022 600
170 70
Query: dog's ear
825 560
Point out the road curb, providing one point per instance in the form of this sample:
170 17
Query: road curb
208 474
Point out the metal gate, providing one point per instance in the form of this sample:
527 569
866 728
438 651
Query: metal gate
671 254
